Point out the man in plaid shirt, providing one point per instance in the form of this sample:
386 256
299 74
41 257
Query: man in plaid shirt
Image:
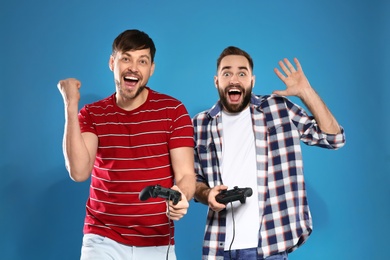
253 141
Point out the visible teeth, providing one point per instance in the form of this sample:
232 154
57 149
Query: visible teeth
234 91
131 78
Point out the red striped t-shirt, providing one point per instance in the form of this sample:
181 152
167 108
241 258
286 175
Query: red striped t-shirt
133 152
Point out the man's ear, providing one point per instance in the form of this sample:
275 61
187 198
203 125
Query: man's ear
152 69
111 63
216 81
253 81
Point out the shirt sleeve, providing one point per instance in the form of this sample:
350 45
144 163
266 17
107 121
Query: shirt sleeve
182 132
310 132
85 121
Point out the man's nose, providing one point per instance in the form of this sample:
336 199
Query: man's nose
133 67
233 79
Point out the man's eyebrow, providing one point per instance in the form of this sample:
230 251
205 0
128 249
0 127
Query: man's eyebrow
243 68
142 56
226 68
240 68
145 56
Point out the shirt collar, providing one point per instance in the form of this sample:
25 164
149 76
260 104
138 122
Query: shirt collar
217 108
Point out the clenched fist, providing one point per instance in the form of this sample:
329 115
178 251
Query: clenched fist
69 89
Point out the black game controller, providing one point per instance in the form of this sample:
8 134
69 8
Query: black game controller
226 196
161 192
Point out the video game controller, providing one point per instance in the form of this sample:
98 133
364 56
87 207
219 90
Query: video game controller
161 192
226 196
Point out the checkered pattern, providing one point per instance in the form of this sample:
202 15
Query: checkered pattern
279 127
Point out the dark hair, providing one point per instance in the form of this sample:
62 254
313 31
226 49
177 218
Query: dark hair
232 50
133 40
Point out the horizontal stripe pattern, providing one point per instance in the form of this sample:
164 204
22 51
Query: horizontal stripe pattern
133 152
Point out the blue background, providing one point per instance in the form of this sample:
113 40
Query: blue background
342 46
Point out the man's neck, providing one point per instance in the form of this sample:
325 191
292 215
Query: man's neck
129 104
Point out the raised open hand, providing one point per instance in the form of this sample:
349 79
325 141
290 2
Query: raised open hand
294 78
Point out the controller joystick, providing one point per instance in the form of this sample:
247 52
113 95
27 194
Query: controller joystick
161 192
226 196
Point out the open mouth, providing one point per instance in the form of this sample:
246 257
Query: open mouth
130 80
234 94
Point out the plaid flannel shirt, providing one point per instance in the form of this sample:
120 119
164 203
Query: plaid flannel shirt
278 125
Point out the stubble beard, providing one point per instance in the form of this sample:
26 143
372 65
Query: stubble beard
128 94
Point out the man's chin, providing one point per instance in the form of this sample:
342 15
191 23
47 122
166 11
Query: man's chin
131 93
233 108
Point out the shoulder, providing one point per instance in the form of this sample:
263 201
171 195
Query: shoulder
202 115
166 106
158 97
261 99
102 104
268 101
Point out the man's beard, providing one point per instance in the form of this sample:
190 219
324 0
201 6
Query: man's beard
235 108
129 94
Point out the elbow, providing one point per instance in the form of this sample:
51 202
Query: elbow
77 176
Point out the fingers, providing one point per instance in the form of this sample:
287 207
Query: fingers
67 83
284 68
298 64
213 204
287 67
70 90
279 74
217 207
176 212
289 70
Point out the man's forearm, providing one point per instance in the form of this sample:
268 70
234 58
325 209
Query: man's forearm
77 158
326 121
187 186
202 193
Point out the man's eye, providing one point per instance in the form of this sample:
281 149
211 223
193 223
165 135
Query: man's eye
242 74
226 74
143 62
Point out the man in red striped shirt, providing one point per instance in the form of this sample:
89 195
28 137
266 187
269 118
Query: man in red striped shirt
134 138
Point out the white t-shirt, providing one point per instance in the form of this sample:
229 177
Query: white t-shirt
239 169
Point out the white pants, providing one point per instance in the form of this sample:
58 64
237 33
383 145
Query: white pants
96 247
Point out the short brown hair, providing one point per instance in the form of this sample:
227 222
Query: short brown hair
133 40
232 50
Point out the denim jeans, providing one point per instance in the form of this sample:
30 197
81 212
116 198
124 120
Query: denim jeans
251 254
